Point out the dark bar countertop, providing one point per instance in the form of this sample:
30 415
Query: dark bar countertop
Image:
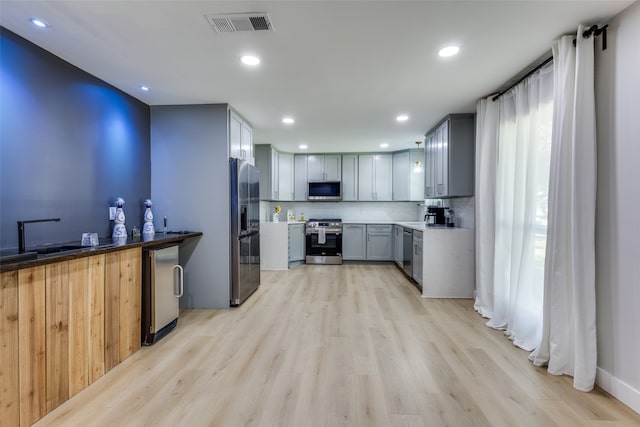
11 260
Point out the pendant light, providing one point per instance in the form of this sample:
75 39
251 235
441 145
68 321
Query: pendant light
418 166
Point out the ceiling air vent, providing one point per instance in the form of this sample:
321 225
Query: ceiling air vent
236 22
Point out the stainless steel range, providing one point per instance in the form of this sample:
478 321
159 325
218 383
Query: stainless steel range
324 241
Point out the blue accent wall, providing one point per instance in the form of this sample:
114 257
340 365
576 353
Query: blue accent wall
69 145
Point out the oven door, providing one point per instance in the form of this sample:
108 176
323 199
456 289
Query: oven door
329 252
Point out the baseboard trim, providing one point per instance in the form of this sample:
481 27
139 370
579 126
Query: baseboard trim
618 389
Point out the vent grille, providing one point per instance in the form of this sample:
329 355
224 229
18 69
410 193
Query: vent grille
240 22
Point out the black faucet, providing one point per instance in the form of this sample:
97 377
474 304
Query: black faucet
21 245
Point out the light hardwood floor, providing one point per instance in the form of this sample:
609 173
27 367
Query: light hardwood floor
348 345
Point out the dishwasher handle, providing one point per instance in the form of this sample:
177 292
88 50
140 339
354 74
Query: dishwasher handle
181 281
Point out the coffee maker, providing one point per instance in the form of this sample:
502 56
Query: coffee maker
435 216
439 216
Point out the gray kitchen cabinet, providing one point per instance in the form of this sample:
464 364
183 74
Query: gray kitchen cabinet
300 177
240 138
408 180
350 177
267 164
397 244
324 167
285 176
379 242
417 256
296 242
449 157
354 242
374 177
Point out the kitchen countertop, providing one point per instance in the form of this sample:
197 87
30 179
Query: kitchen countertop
10 263
415 225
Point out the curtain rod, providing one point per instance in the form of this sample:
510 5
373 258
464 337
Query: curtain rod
533 70
591 31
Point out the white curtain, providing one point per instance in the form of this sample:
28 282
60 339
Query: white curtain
485 200
568 343
512 232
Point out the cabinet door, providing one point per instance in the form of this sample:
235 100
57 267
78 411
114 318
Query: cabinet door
300 177
416 180
417 256
350 177
332 167
315 167
383 177
285 176
354 242
444 189
397 243
32 344
366 187
429 167
235 136
440 159
401 172
379 243
296 242
275 177
246 143
9 350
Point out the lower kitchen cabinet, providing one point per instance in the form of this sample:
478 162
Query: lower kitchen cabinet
379 242
59 312
417 256
397 244
354 242
296 242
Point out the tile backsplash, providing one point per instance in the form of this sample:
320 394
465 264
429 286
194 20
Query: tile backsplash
348 211
463 208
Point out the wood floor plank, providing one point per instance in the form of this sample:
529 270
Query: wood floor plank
351 345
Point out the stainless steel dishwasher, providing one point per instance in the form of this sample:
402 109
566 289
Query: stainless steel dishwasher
163 284
407 251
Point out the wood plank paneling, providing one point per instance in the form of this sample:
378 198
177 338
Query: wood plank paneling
57 330
9 381
130 300
31 346
112 310
79 289
96 295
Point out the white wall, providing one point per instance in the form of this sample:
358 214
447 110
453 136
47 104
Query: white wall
618 208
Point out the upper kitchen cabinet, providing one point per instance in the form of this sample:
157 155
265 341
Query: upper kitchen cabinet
300 177
240 138
408 175
276 173
374 177
267 164
285 176
349 177
449 157
324 167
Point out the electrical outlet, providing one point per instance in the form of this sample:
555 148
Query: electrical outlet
112 213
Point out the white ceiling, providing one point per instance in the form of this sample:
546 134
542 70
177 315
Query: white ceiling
343 69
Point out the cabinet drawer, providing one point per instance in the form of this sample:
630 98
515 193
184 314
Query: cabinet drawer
379 228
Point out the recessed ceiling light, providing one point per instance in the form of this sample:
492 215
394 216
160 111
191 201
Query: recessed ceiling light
303 146
39 23
250 60
384 145
145 88
448 51
402 118
288 120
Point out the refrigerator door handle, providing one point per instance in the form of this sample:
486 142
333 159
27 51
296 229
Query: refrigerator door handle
181 281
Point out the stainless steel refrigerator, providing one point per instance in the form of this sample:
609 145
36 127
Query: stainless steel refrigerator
245 230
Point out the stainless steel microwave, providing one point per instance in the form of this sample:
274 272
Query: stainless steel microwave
324 190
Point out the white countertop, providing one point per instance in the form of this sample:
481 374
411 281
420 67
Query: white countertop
415 225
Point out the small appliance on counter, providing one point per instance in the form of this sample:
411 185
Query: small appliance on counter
439 216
